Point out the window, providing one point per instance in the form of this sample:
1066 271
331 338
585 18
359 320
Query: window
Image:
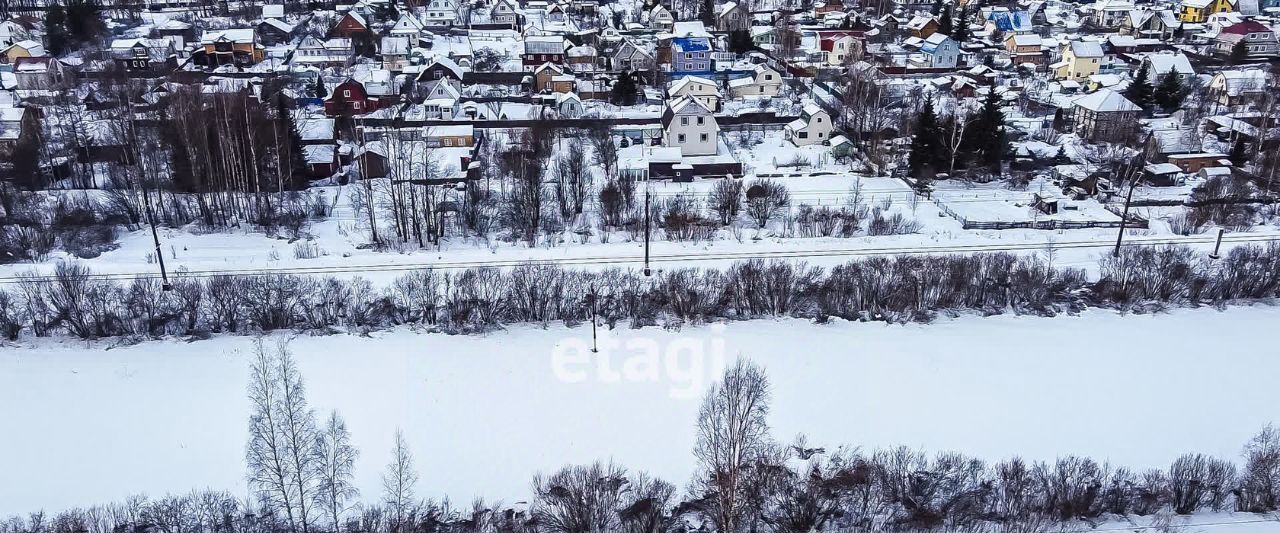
700 120
768 77
346 93
356 105
704 137
819 120
803 135
447 141
819 135
684 121
680 138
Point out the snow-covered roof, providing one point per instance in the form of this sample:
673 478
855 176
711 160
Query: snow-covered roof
1086 49
1106 101
1164 63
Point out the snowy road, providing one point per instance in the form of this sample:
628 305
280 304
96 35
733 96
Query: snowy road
484 413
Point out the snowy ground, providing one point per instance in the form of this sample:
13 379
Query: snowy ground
484 413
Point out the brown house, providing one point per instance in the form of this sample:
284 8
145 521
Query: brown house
227 47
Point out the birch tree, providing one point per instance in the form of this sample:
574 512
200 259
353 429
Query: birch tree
732 436
398 483
336 460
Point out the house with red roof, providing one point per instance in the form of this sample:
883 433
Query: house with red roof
1258 39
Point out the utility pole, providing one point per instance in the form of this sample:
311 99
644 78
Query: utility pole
1217 245
592 298
647 271
155 236
1124 218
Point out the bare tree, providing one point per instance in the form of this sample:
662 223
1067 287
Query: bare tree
270 471
765 199
733 435
580 499
398 484
337 458
573 180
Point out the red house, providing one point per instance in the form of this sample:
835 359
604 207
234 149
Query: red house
350 25
349 98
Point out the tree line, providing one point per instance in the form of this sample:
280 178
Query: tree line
895 289
300 472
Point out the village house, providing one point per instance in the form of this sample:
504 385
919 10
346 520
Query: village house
540 49
813 127
838 48
1080 59
660 18
505 12
1007 22
1150 23
631 56
701 89
940 51
691 55
1024 48
550 77
691 127
335 52
231 47
274 31
733 16
763 81
440 13
20 49
394 53
1109 13
1192 163
1160 64
922 26
144 55
41 74
349 98
1105 116
351 25
1258 40
11 32
1197 11
581 59
1238 87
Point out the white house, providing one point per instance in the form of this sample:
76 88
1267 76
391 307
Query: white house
691 127
660 18
1160 64
940 51
764 81
701 89
813 127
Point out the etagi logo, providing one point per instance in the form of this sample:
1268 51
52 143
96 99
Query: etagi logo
688 363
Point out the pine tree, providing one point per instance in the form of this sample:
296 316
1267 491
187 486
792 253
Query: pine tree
318 88
624 90
989 139
1061 157
84 21
1239 153
945 24
708 14
1169 92
962 25
1059 121
1139 90
937 8
55 25
1239 53
927 150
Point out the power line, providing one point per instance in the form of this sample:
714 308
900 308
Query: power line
666 258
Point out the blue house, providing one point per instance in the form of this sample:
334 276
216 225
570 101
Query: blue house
691 55
1010 21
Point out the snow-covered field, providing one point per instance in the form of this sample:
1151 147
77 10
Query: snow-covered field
91 423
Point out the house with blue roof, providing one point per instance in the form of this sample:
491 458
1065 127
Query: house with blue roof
691 55
1006 21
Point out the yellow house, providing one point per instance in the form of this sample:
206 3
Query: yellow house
1079 61
21 49
1196 11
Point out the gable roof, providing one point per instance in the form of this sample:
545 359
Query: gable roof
1106 101
1086 49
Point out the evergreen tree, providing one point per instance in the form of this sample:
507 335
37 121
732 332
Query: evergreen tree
937 8
1239 153
1059 121
1139 90
84 21
1061 157
318 88
1178 32
624 90
945 24
1169 92
988 138
927 150
708 14
740 41
1239 53
961 24
55 25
